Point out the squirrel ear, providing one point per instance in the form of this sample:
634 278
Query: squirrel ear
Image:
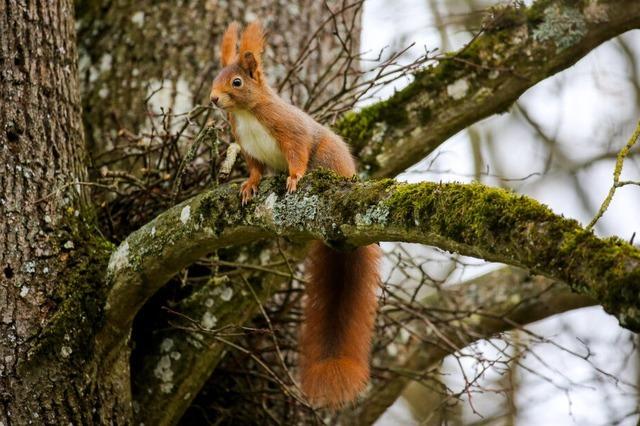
252 41
249 63
228 45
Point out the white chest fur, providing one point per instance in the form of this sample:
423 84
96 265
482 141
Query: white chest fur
256 140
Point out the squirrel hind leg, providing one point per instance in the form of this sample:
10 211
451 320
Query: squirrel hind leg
333 154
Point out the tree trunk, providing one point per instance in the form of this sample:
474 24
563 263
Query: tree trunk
50 286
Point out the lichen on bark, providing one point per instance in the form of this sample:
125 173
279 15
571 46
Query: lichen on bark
179 359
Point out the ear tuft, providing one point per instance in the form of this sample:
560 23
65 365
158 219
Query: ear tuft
228 45
252 41
249 63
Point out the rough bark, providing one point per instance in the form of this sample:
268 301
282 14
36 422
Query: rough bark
518 48
468 104
50 284
505 37
50 292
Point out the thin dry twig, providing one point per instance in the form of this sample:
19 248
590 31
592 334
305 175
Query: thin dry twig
617 171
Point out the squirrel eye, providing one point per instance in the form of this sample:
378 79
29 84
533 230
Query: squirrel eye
237 82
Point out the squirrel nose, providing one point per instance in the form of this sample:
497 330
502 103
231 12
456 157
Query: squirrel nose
214 100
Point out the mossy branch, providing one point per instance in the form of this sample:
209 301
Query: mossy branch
518 47
470 219
178 360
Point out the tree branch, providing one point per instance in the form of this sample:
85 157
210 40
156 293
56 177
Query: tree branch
496 302
517 48
179 360
471 219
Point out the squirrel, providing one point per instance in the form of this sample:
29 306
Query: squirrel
341 298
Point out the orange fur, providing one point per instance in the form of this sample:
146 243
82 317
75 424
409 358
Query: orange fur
250 187
228 44
339 319
341 305
253 40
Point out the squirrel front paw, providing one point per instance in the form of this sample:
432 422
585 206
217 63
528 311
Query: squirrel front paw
292 183
248 189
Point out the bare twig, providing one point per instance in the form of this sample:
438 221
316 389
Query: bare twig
617 171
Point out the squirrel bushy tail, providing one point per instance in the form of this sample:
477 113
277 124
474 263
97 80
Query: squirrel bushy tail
339 320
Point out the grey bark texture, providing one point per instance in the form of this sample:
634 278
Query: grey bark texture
51 292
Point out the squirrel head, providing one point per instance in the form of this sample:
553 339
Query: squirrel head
241 78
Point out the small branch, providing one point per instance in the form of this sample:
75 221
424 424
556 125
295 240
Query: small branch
227 165
205 132
509 298
617 171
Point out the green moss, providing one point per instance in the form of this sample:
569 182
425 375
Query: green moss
504 16
210 208
535 13
617 266
425 114
321 180
497 66
217 208
358 128
499 225
473 214
80 296
488 221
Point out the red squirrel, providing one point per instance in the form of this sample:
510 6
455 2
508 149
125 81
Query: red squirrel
341 292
